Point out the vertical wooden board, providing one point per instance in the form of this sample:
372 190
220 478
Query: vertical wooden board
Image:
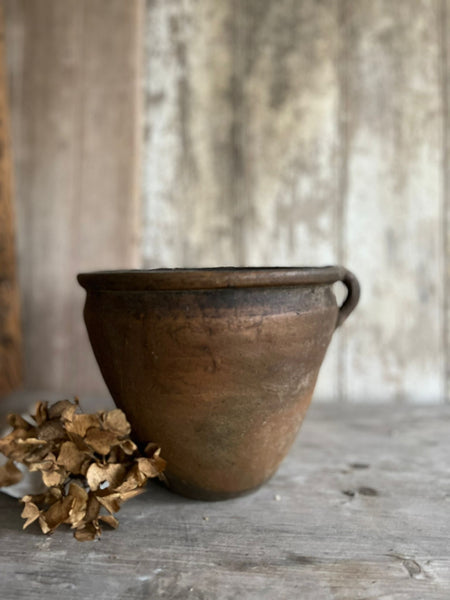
241 150
106 205
445 40
286 60
287 66
162 236
74 131
46 94
188 161
393 206
10 332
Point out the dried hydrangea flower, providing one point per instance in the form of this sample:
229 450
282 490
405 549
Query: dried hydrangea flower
87 461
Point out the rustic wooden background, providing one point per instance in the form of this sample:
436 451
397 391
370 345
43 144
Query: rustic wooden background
244 132
73 72
10 325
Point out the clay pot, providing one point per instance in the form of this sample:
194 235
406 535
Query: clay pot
218 366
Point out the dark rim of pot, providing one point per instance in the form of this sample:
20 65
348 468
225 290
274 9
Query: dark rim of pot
209 278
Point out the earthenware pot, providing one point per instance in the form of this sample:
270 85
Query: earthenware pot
218 366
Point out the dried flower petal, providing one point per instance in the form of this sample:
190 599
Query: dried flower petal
30 512
31 441
110 520
100 441
131 494
77 512
134 479
79 424
79 442
51 431
68 413
77 492
111 502
93 508
56 410
151 467
9 474
128 446
97 474
41 414
46 499
46 464
54 477
43 524
18 422
71 458
88 533
116 421
57 514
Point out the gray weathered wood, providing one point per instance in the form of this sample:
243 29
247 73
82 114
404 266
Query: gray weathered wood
190 207
73 69
393 206
362 512
445 41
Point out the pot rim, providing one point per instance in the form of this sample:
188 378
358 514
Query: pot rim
208 278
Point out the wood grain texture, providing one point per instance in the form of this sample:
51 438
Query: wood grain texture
393 200
73 73
445 55
362 512
274 133
241 147
311 133
10 329
188 163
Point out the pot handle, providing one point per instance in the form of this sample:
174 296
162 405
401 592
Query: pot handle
353 294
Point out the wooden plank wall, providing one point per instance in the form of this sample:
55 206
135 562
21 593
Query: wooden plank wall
445 73
394 199
273 133
311 133
10 328
73 69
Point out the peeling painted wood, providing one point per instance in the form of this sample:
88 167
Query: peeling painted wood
359 509
393 206
73 69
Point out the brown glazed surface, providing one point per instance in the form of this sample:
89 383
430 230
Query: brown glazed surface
218 366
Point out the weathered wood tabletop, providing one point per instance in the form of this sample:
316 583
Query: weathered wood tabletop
359 509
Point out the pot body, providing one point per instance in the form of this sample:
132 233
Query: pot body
220 378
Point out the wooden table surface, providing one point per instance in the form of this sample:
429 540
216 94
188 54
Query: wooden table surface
360 509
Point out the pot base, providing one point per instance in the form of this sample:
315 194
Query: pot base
183 488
